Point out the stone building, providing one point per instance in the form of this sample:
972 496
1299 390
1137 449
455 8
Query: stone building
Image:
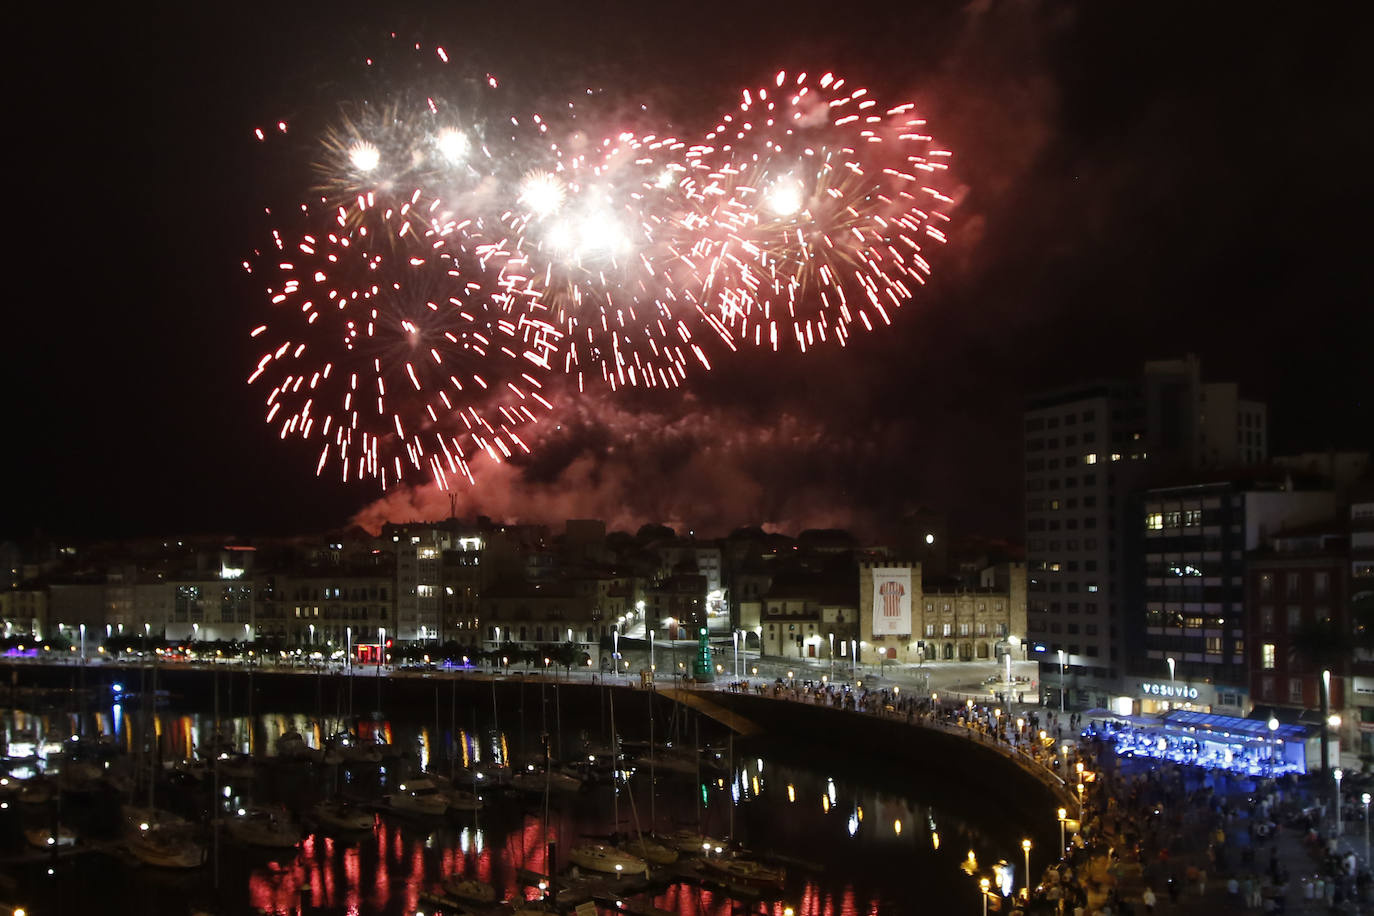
901 621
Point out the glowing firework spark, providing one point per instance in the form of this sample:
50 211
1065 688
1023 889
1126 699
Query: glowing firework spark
396 363
363 156
542 194
821 206
612 263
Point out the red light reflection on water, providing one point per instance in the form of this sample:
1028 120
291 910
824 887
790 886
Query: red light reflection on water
690 900
351 873
276 888
327 874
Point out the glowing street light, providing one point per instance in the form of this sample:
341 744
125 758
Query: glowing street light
1273 744
983 883
1063 816
1026 848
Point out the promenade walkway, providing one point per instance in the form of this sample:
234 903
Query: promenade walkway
1204 841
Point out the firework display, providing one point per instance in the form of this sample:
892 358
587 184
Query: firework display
820 205
455 256
397 358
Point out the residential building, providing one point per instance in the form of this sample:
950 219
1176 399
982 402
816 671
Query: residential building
1186 617
1298 587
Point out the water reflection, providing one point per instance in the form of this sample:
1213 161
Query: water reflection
871 848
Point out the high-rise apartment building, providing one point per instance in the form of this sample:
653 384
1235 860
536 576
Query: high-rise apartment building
1087 449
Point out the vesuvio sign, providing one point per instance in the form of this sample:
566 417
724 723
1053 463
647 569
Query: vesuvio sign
1182 692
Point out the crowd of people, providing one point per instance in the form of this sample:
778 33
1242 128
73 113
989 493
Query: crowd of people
1157 834
1253 757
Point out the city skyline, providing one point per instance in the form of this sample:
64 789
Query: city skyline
1112 211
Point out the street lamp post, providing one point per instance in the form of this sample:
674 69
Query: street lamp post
1063 686
1026 848
1007 657
1273 744
832 658
651 650
1326 711
381 653
983 885
1338 774
1366 799
1063 816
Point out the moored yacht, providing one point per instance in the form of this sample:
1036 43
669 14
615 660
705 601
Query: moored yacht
341 817
470 889
166 847
747 871
608 860
43 837
418 796
263 827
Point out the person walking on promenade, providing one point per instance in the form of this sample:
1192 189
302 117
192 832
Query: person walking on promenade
1148 899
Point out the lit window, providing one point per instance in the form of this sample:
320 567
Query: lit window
1154 521
1267 656
1090 458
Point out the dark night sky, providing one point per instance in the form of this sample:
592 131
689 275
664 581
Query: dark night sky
1140 183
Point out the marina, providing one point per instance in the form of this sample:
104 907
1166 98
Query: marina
254 815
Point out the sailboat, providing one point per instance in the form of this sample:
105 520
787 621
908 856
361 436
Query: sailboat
747 871
166 846
44 838
653 851
418 796
533 778
154 836
341 817
264 828
600 857
458 799
470 890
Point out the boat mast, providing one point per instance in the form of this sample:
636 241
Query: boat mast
615 765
